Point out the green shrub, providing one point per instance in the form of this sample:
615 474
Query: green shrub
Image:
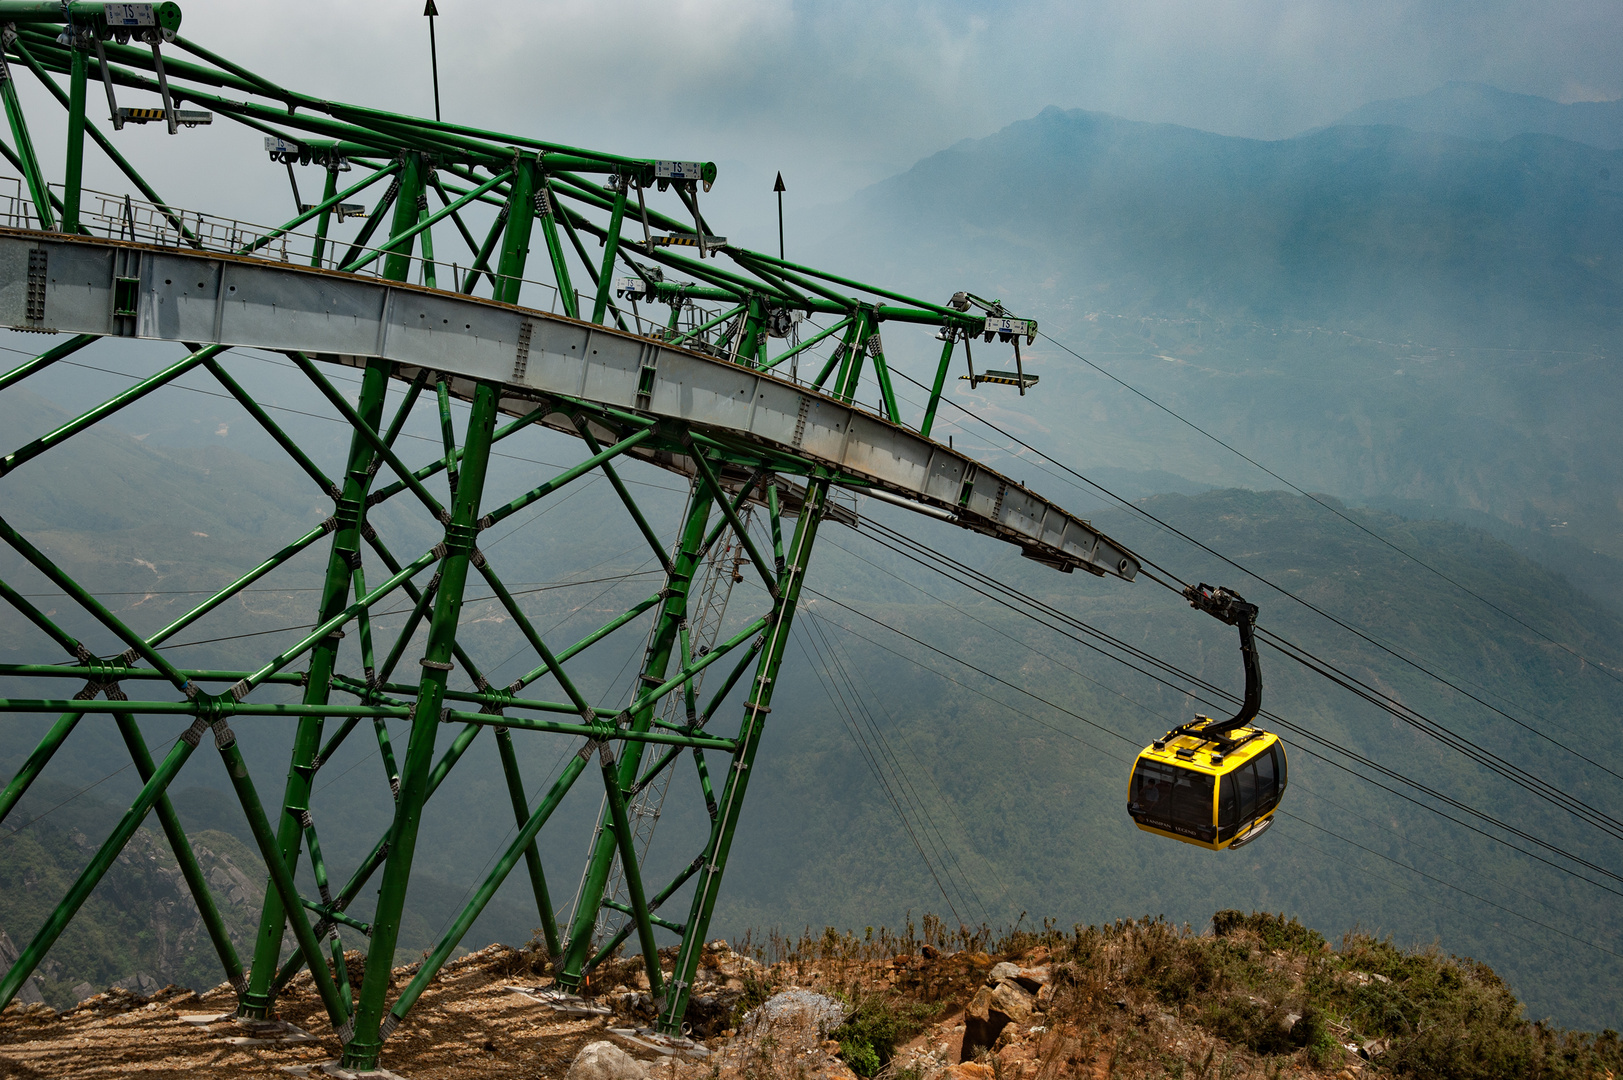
756 990
1312 1033
1276 931
877 1025
861 1056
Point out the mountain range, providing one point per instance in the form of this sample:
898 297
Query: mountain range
1488 114
1408 318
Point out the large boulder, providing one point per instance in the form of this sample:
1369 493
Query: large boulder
815 1012
605 1061
994 1008
1013 1001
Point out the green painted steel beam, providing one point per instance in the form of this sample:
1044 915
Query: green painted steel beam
630 871
31 954
366 428
527 629
755 711
114 671
602 731
321 209
611 252
90 604
744 538
566 219
940 381
526 836
574 472
207 909
664 924
46 359
656 659
810 342
69 643
388 491
281 875
106 145
589 640
364 1040
374 859
25 158
684 676
281 438
532 856
546 214
396 239
323 649
107 408
624 493
193 708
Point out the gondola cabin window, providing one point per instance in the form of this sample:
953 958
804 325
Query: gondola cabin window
1174 799
1252 789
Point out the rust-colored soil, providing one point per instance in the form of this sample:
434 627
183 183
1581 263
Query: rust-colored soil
466 1025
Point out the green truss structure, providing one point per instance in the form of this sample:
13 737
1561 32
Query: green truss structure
710 389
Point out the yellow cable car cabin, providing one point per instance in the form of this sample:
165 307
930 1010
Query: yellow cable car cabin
1213 783
1186 787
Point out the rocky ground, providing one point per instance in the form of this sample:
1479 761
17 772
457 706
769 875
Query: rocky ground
1137 1000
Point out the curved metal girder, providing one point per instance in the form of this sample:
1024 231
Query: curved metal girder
535 356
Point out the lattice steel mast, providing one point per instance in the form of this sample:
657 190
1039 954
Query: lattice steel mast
699 393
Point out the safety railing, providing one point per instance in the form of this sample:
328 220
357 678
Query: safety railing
124 218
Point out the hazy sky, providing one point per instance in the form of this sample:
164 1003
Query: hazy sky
842 93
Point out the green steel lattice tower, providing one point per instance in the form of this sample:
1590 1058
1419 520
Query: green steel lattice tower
563 341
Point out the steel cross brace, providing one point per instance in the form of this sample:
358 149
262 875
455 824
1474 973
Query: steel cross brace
662 640
749 740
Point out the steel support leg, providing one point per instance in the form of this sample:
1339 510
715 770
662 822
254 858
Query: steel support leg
621 826
493 881
257 1001
749 741
351 512
611 251
364 1043
516 240
73 175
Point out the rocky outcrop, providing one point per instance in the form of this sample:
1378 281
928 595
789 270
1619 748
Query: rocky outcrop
141 928
29 993
1012 995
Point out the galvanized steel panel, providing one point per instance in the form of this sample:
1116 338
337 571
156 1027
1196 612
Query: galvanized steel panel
239 301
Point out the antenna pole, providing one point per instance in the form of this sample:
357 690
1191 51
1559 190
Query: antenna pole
433 54
778 187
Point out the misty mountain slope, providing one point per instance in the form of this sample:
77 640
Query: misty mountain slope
1391 316
1478 111
1369 228
1018 796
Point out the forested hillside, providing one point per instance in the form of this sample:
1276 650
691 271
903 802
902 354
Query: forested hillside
1404 318
1009 778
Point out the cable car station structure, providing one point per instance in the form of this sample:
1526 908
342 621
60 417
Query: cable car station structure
711 390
